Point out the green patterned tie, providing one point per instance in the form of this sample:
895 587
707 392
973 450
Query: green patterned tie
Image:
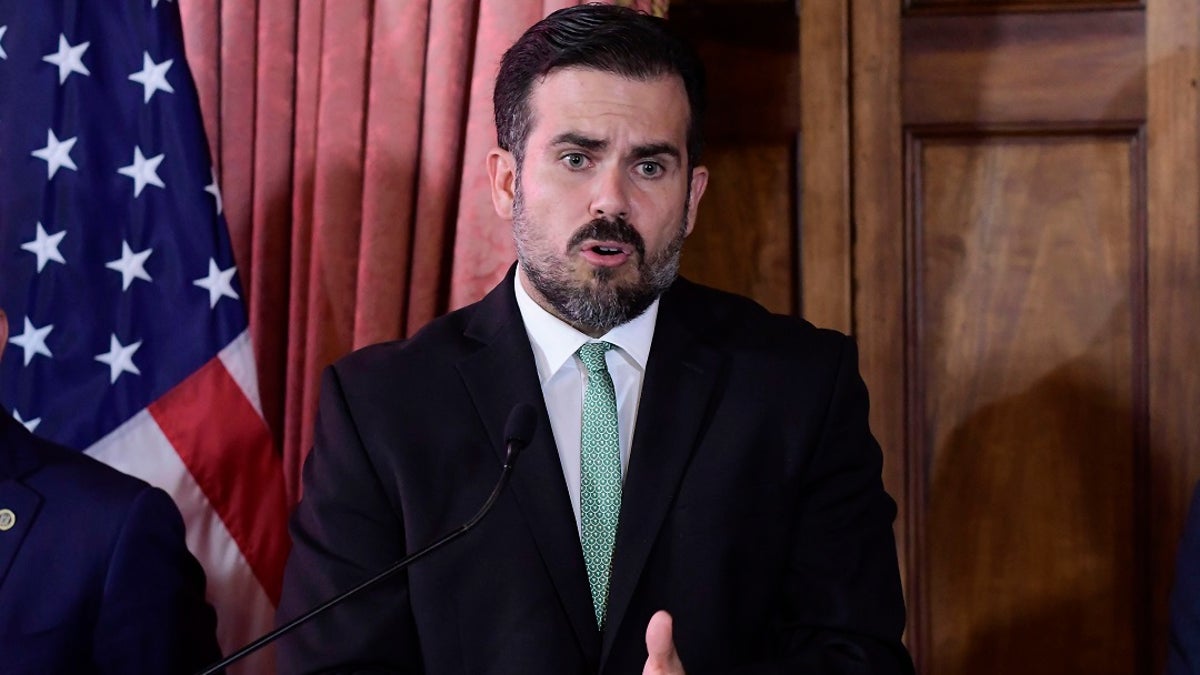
600 474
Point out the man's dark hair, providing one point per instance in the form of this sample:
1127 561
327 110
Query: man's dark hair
607 38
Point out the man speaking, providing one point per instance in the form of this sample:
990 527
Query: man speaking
702 492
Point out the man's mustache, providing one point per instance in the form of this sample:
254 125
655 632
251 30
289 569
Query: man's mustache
604 229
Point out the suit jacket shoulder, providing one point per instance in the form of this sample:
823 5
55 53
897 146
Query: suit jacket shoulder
1183 656
739 326
95 575
442 341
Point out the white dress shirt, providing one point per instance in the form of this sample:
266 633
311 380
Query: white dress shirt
564 377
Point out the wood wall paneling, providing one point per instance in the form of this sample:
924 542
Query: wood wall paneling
1026 409
744 236
825 232
745 239
751 54
1020 68
1173 172
1009 6
877 207
1022 312
1014 189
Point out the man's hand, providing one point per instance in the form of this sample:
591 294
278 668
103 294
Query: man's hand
662 660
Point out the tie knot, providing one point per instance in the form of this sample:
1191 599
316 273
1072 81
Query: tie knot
592 355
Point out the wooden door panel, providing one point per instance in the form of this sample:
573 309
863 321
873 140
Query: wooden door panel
1024 208
1023 305
1025 338
993 6
1017 68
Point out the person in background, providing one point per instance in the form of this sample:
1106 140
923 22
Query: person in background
95 576
702 491
1183 655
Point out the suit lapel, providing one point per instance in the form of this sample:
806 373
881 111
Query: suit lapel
499 376
680 377
17 459
25 504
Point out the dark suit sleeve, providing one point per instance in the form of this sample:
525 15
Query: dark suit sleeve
1183 657
345 531
845 609
152 616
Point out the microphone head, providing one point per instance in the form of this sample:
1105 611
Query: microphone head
522 421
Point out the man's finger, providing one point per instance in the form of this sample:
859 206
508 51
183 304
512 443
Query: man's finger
660 646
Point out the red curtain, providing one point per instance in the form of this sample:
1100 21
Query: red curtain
349 138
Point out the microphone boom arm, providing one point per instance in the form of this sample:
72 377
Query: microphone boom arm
514 447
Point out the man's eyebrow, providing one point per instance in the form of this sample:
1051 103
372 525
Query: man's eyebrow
579 140
651 149
587 143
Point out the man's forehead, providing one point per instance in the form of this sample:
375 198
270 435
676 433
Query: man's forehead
573 99
560 78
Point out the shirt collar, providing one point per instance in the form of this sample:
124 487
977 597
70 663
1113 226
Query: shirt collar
554 341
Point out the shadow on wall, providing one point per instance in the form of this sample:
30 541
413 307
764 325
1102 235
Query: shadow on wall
1032 516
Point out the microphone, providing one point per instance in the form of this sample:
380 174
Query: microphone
518 431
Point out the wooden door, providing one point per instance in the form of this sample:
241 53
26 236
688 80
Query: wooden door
1001 200
1024 200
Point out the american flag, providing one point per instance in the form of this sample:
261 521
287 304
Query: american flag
128 336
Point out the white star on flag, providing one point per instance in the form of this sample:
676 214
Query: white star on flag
143 171
3 30
31 425
119 358
33 341
45 247
154 3
218 283
214 190
131 265
68 59
56 153
153 77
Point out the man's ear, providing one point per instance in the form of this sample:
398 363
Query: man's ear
502 169
699 182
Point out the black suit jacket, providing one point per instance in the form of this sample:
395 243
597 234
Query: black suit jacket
753 508
95 576
1183 656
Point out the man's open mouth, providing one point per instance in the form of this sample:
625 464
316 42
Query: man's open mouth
608 250
607 253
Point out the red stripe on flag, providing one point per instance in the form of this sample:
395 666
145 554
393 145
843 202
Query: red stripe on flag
227 448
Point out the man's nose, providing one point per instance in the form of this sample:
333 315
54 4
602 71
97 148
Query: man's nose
611 196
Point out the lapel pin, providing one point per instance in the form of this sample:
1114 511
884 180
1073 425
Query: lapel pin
7 520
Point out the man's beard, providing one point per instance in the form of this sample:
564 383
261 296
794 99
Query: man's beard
602 301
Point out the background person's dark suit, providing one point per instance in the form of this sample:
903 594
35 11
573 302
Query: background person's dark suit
1183 656
94 573
753 508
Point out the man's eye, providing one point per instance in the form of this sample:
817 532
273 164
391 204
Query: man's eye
575 160
650 169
